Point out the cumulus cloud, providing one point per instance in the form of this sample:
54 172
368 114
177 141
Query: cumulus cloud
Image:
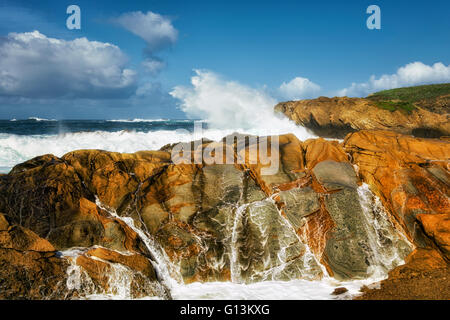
299 88
35 66
153 65
156 30
412 74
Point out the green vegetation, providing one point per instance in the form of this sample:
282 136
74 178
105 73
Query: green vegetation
406 99
396 105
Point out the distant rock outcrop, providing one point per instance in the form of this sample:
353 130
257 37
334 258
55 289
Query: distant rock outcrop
336 117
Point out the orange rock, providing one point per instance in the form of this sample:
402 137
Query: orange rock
19 238
424 276
97 270
3 222
190 209
318 150
112 176
29 268
338 116
410 175
134 261
437 227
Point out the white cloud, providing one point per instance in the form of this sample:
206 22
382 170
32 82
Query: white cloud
299 88
157 31
412 74
35 66
153 65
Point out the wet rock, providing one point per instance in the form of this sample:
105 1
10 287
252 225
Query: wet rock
410 175
339 291
424 276
347 250
29 266
3 222
335 175
299 203
217 222
136 262
262 233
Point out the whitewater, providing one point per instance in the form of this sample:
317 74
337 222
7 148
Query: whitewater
128 136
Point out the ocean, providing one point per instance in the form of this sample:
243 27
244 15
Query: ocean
21 140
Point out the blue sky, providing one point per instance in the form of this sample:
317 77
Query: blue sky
258 44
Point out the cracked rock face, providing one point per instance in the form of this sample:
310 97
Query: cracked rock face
316 215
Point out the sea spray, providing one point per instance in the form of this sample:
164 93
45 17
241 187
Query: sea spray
234 263
231 105
166 271
388 245
265 247
121 282
309 259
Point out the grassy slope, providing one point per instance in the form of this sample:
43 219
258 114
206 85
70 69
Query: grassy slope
407 98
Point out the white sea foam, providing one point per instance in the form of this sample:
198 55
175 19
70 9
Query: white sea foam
270 290
41 119
141 120
15 149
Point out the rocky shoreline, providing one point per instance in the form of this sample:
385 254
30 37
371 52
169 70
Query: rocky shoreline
67 224
336 117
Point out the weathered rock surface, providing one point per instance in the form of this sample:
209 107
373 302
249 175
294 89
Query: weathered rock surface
222 222
425 276
29 266
336 117
411 177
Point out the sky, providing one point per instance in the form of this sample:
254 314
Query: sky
163 58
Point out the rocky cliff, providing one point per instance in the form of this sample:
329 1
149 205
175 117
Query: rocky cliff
419 111
71 226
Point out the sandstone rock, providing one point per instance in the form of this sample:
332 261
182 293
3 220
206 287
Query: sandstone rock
226 222
29 266
299 203
424 276
410 175
437 227
134 261
338 116
318 150
113 176
19 238
104 271
3 223
99 272
339 291
335 175
47 196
